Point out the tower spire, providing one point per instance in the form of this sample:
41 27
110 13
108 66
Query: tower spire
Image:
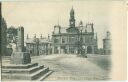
72 18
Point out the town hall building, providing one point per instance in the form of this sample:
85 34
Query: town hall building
71 39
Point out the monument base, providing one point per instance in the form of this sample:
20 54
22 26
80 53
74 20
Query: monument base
20 58
21 68
30 71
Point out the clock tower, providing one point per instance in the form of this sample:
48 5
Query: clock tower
72 18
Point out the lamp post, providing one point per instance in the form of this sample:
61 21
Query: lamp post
78 43
82 47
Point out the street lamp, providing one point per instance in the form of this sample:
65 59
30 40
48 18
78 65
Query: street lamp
82 47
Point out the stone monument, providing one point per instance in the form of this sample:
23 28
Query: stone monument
20 56
20 66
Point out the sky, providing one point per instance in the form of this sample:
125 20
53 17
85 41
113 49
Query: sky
39 17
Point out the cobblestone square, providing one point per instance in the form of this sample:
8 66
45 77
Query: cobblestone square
71 67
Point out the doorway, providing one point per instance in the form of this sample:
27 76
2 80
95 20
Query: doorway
89 49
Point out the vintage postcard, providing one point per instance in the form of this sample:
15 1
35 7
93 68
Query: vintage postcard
63 40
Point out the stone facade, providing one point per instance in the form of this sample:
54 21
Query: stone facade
20 66
38 46
107 43
69 40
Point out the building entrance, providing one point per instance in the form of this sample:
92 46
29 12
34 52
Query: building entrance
89 49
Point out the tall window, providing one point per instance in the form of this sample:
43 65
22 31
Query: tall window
72 39
63 40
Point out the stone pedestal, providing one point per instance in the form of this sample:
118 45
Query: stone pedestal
20 58
20 66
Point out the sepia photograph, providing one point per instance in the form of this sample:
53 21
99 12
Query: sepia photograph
67 40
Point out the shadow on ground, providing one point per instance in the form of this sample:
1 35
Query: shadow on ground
103 61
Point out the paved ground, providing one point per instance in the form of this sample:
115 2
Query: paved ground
71 67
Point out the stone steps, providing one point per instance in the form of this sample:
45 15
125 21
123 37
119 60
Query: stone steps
13 77
39 73
45 76
26 72
20 66
18 76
